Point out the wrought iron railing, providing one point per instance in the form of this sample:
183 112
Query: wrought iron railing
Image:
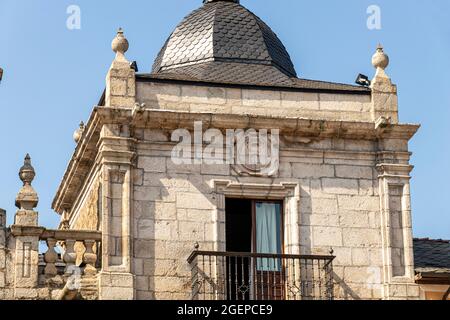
248 276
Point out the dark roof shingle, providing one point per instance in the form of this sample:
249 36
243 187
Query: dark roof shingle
432 255
222 42
223 31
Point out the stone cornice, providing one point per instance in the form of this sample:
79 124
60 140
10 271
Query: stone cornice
87 151
317 128
27 231
257 191
81 158
394 170
44 234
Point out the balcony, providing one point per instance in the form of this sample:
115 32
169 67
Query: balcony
247 276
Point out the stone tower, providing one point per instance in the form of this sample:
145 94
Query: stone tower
341 178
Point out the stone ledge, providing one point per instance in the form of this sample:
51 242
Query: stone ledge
45 234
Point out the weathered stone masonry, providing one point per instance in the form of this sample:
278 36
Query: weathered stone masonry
344 180
334 174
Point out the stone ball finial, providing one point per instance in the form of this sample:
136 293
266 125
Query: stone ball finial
380 60
120 44
27 198
26 172
79 132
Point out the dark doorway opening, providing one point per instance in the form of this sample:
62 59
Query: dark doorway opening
239 239
239 225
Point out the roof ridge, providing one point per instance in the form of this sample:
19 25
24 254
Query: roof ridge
264 27
214 28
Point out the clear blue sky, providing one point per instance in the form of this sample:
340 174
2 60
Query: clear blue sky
54 76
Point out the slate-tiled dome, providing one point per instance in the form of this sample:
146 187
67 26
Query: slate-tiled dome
224 37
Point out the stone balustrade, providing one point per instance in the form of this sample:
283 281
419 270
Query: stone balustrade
68 267
66 240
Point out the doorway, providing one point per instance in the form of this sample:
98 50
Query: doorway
254 238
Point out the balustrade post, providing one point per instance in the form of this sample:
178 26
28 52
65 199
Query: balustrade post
90 258
50 258
70 256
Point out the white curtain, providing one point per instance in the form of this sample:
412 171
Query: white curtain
268 234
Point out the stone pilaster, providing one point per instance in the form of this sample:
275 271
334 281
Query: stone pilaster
384 92
26 247
116 156
396 230
120 81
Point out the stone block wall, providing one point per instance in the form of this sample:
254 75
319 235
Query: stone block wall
154 211
191 98
87 216
339 207
172 211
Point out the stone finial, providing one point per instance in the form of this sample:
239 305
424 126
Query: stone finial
27 198
120 45
384 92
26 172
380 61
79 132
121 79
